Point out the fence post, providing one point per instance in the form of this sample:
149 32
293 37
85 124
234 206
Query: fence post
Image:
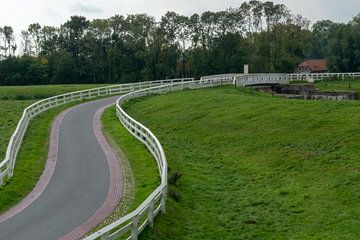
151 214
134 228
10 171
163 200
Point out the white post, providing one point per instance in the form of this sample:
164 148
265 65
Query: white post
134 228
151 214
163 200
246 69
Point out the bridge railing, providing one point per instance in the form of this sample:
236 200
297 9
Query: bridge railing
223 78
261 78
131 225
7 165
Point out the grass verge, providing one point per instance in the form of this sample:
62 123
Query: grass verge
142 165
255 167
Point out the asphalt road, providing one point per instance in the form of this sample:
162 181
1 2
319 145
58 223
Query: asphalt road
78 187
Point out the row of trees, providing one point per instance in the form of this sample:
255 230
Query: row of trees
339 43
136 47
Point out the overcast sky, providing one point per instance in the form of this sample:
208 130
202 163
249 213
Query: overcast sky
20 13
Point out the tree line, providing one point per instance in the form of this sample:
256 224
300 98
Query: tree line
265 35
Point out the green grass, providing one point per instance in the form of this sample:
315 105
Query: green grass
41 91
142 163
255 167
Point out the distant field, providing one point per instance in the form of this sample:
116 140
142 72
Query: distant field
254 166
40 92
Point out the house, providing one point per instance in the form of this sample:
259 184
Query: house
312 66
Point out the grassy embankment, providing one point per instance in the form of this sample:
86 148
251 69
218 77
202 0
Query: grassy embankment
254 167
33 153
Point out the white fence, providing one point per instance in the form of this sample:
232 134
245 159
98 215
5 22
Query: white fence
132 224
276 78
8 164
321 76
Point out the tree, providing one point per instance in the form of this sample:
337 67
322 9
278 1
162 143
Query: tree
8 39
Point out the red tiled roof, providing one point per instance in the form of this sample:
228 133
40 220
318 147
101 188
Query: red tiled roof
315 64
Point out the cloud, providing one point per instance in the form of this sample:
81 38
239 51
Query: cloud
50 11
80 7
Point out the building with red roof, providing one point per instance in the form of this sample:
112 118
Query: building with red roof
312 66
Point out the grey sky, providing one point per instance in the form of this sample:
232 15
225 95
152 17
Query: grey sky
20 13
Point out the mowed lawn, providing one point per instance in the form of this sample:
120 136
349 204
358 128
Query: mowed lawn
255 166
33 153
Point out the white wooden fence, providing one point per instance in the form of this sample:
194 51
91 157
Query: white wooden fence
8 164
276 78
321 76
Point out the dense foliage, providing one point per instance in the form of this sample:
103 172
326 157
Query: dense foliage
129 48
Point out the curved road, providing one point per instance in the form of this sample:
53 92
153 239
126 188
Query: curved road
78 187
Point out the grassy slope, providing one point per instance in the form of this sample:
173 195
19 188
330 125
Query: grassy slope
141 161
257 167
32 156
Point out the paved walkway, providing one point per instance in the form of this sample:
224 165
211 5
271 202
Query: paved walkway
80 191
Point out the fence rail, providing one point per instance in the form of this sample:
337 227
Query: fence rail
321 76
8 164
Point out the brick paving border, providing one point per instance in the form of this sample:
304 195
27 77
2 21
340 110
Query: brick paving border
116 184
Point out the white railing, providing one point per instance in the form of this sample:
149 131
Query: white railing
8 164
261 78
223 78
131 225
321 76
